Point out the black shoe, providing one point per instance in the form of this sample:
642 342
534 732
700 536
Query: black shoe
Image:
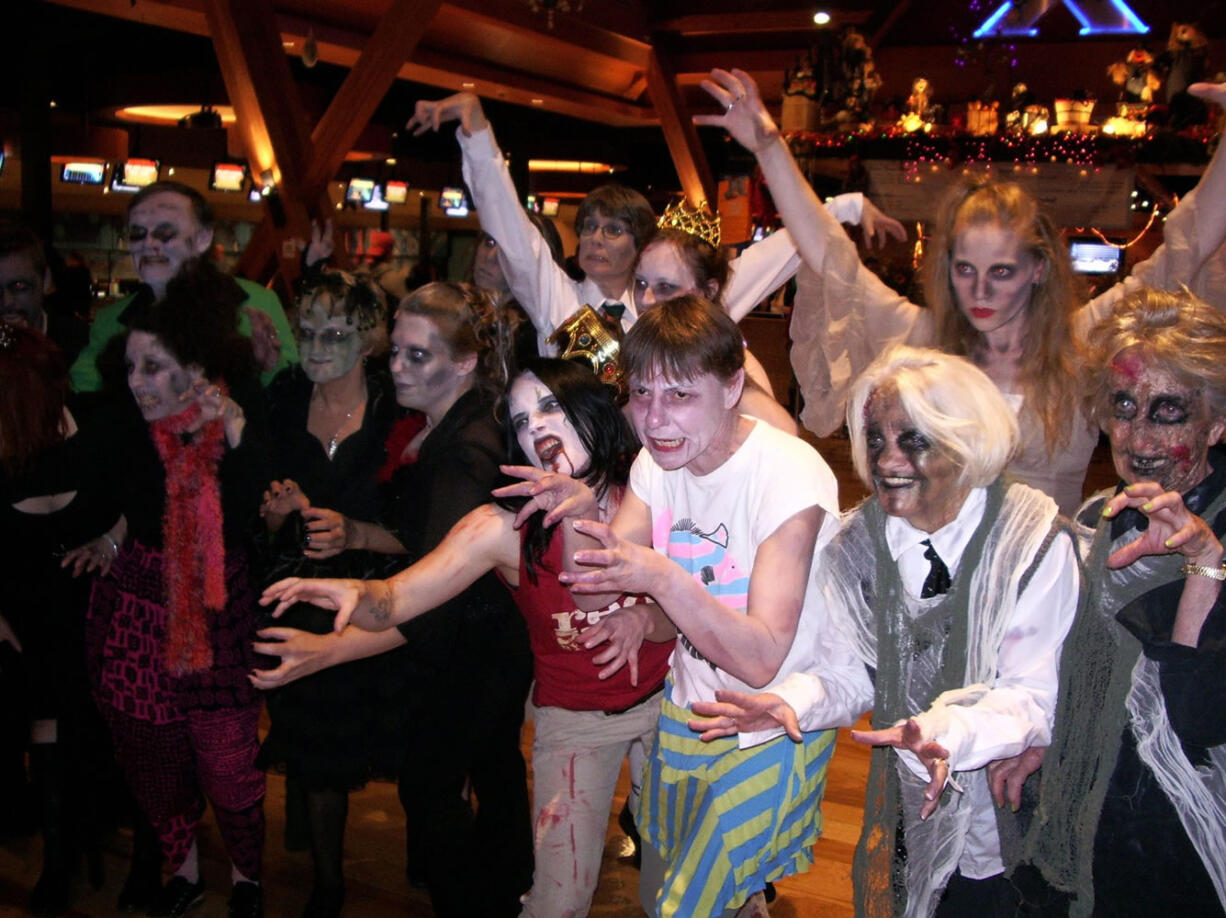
625 820
770 893
52 894
141 889
325 902
246 900
177 898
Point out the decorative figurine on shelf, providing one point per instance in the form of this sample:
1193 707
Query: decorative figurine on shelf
920 110
801 95
860 79
1024 114
1184 62
1137 78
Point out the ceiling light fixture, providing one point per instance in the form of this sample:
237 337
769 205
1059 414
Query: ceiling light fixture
821 17
549 7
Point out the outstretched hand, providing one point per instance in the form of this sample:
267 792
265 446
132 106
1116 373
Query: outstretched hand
1006 776
744 117
742 712
1172 527
559 495
341 595
618 566
301 654
282 498
933 756
463 107
321 246
876 225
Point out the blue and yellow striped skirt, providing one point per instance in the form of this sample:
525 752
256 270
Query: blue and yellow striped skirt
727 820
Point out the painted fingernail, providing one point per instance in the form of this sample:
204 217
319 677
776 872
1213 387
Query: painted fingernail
1107 511
1146 507
1169 543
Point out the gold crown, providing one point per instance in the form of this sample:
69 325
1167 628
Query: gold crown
697 221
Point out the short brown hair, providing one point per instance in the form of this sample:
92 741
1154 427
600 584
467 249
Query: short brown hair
200 207
620 203
684 338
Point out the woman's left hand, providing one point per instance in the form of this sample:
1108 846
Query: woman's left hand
618 566
301 653
933 756
95 555
1172 527
328 533
559 495
624 631
744 117
265 342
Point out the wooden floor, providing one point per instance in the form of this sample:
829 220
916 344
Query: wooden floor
375 840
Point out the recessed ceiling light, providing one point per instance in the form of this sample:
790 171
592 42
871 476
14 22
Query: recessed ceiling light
821 17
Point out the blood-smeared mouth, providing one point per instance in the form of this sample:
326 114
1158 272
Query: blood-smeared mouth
547 450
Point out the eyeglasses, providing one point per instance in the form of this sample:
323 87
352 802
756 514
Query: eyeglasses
612 231
328 338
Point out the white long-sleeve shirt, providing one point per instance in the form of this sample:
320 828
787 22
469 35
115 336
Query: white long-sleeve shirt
1003 719
550 296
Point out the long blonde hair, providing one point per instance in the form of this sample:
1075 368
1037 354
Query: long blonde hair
1050 355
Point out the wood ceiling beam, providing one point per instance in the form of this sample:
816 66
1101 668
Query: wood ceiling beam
741 23
372 75
270 120
689 158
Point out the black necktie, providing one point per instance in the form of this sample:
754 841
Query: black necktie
937 582
614 310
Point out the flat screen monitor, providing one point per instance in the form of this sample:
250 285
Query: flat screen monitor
360 190
549 207
377 200
138 172
396 193
83 173
228 177
1094 257
453 202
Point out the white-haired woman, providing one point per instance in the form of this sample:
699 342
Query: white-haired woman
951 590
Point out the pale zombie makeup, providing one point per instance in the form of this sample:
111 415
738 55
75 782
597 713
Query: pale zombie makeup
543 430
993 276
663 273
685 423
163 233
329 345
1160 425
21 291
912 478
606 248
427 378
156 378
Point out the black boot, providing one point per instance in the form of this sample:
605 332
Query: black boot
144 883
52 893
327 811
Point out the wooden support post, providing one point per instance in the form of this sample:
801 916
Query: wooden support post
679 132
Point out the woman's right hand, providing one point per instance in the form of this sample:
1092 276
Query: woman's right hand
463 107
301 653
744 117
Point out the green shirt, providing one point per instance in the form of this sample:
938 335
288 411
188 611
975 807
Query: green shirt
84 373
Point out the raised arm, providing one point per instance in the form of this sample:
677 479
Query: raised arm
542 288
1192 234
